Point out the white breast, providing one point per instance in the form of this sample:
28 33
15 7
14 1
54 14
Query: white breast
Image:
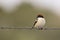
40 22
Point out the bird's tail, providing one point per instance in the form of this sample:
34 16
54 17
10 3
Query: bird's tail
32 27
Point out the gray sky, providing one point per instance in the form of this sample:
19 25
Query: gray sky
9 5
53 5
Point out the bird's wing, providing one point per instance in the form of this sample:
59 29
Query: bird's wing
35 22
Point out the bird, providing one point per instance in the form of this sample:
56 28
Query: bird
39 22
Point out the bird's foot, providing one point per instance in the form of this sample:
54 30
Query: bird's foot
40 28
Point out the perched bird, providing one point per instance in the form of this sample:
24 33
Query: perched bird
39 22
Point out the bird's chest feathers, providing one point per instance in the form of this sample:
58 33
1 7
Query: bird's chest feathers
40 22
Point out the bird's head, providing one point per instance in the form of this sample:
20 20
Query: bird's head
40 16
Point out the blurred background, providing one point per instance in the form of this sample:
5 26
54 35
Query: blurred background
22 13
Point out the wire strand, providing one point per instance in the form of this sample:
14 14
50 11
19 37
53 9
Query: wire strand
29 28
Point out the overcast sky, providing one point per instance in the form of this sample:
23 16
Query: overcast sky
53 5
9 5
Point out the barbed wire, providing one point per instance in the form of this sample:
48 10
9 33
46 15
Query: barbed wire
29 28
